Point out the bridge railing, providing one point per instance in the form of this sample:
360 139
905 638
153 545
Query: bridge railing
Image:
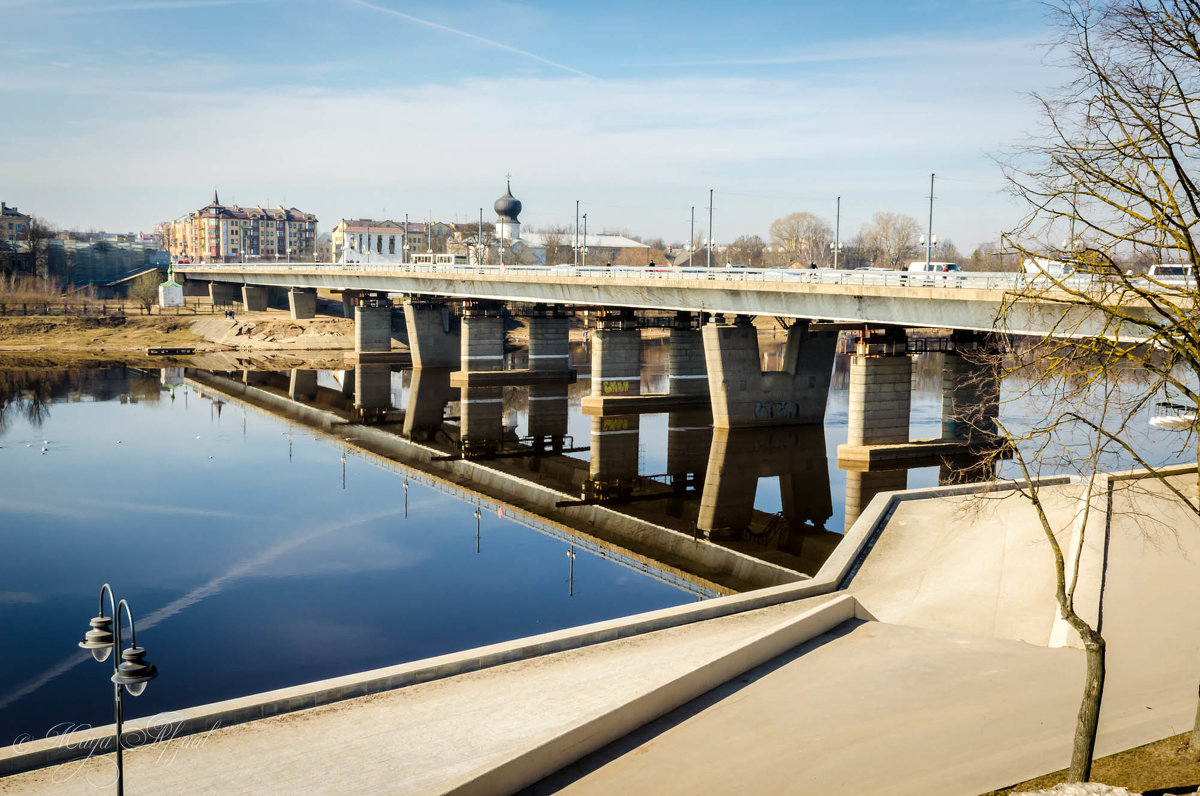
822 276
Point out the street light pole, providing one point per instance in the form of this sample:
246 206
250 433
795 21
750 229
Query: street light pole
131 674
837 233
583 252
710 238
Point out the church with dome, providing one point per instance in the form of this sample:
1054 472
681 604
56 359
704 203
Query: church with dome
602 248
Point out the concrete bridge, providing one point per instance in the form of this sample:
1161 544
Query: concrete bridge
454 317
961 300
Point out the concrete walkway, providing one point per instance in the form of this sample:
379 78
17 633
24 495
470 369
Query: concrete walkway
938 670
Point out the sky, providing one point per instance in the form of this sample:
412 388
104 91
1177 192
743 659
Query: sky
119 114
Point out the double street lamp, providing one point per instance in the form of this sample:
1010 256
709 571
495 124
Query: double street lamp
131 674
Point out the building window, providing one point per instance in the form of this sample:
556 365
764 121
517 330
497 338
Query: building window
391 244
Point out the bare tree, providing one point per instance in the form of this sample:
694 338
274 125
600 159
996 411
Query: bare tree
890 239
557 242
1113 169
801 238
144 291
747 249
36 239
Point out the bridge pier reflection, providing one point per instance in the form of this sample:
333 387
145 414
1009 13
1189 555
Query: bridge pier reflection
428 393
796 455
745 396
302 385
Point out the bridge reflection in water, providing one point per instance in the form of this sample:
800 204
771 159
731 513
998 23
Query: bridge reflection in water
667 512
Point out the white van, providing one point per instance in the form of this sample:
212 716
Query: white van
1045 270
939 267
1172 271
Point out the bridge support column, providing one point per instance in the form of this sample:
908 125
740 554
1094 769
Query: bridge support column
687 373
303 303
743 395
434 335
482 337
617 357
616 370
880 391
220 293
302 385
372 329
349 301
970 390
254 298
548 343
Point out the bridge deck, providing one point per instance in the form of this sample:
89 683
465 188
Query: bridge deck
947 301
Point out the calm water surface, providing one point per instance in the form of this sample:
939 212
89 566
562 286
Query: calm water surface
258 554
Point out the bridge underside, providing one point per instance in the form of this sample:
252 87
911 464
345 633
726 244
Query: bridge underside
975 309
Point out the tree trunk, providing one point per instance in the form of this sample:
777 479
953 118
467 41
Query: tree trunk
1089 712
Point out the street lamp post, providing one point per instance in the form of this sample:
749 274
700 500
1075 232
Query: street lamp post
130 674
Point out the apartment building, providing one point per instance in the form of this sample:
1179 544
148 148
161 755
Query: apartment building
219 234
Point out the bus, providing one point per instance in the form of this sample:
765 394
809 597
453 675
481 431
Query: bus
430 258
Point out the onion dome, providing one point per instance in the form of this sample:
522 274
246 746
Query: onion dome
508 207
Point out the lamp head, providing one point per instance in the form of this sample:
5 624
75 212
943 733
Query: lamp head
99 639
133 671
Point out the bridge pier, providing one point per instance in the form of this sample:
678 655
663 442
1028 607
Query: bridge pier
743 395
482 337
434 335
373 328
254 298
880 391
687 373
970 390
548 342
220 293
302 302
617 356
302 385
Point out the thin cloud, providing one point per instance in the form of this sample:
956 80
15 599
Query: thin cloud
869 50
475 38
146 5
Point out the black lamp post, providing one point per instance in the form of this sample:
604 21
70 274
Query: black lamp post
130 674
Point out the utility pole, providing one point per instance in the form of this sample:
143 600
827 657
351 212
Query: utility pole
837 233
710 209
576 233
692 238
929 239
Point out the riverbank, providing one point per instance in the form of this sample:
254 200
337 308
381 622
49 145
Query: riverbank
100 337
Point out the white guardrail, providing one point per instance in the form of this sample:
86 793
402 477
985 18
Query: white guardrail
821 276
981 280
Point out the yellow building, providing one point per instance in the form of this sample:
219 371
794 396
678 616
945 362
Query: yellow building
219 234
